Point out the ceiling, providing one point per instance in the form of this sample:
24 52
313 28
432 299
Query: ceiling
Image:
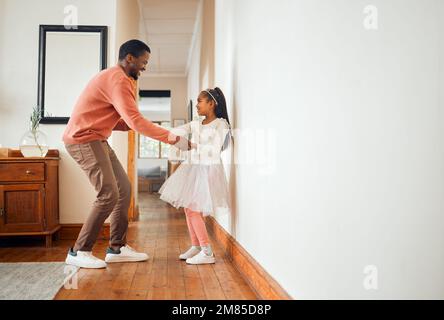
168 27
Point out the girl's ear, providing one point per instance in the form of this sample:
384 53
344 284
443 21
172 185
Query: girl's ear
214 107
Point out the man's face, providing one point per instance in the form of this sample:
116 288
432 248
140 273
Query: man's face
137 65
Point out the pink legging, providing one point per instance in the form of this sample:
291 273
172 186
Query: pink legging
196 228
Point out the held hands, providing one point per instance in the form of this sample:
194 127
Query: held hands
191 145
184 144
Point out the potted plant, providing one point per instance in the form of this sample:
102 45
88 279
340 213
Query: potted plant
34 142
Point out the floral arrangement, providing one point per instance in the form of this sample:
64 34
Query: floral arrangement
35 118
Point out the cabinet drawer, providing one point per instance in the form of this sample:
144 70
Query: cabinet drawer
23 172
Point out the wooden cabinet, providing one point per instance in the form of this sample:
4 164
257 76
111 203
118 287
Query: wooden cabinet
29 200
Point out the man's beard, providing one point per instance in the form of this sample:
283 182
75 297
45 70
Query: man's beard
134 75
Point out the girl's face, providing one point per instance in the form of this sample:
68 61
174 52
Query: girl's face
205 106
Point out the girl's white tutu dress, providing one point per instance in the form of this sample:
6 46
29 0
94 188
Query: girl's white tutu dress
199 183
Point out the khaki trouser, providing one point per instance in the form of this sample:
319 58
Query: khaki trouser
108 177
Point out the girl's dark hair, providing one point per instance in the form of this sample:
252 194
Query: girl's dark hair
220 110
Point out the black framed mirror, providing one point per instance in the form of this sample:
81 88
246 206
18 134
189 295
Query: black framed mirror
68 59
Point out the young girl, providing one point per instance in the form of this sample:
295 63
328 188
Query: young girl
199 184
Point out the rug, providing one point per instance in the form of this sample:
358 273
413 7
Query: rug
33 280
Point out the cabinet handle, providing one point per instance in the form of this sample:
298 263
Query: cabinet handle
2 211
28 172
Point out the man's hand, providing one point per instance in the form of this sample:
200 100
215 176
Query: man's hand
184 144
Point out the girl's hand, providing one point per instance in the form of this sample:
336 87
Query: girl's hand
182 143
191 145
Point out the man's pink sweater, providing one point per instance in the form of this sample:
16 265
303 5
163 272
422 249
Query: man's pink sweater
109 103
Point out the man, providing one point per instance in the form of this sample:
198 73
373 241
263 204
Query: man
109 103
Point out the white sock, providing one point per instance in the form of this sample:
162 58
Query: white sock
196 247
207 250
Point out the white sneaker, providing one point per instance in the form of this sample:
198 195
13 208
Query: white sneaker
125 254
190 253
201 258
84 259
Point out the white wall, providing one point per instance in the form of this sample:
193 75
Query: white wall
357 115
19 41
127 27
200 73
193 76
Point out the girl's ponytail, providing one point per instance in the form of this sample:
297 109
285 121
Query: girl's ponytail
220 111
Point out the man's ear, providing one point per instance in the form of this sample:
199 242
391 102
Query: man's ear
129 58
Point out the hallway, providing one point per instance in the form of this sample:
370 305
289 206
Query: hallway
162 233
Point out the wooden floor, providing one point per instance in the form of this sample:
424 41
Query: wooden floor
162 233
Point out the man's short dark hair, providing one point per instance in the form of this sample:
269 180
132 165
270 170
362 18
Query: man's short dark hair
133 47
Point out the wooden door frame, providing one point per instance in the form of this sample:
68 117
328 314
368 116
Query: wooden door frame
133 211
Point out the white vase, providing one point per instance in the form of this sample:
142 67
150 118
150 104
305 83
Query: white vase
34 144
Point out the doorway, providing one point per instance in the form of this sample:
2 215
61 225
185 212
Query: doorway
148 158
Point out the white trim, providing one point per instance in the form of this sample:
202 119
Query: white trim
143 21
194 38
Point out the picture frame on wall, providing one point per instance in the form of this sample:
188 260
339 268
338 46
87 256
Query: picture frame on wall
62 79
178 122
